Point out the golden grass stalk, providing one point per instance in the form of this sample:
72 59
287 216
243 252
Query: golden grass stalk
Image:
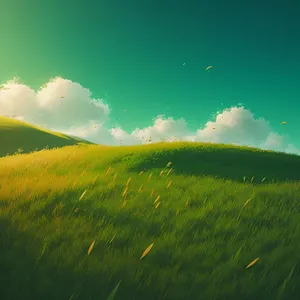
187 203
140 189
243 207
157 199
149 176
125 191
169 184
169 171
147 251
252 263
252 179
152 192
91 247
108 171
115 176
141 172
161 172
177 212
246 202
82 195
95 179
263 179
157 205
124 203
128 181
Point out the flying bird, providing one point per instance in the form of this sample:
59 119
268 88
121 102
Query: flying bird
209 67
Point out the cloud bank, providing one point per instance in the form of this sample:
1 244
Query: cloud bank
65 106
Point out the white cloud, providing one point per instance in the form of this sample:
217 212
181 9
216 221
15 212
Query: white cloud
59 103
235 125
163 129
66 106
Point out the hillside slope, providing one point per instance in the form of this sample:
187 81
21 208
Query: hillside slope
15 134
75 222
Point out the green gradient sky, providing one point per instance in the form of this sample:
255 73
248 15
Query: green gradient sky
131 53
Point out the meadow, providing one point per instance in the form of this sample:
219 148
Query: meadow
21 137
216 221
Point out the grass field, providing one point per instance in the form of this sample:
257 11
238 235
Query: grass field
20 136
75 222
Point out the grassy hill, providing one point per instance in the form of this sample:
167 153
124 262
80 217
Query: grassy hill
15 135
75 222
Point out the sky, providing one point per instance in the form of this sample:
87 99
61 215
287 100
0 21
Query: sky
123 72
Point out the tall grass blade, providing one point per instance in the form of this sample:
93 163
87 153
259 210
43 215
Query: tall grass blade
113 292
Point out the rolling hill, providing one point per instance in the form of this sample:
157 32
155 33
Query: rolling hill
75 222
15 134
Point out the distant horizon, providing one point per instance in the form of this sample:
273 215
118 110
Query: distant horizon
160 141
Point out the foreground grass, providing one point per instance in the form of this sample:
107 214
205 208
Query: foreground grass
219 208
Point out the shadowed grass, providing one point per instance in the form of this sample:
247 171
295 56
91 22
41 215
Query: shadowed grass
23 137
202 232
237 162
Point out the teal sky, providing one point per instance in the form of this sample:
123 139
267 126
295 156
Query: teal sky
131 54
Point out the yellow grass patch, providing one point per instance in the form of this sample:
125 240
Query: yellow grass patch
246 202
140 189
152 192
95 179
108 170
161 172
169 171
82 195
115 176
149 176
125 191
128 181
147 251
169 184
244 206
91 247
157 199
252 263
157 205
141 172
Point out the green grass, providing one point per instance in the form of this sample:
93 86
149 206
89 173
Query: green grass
18 136
203 239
